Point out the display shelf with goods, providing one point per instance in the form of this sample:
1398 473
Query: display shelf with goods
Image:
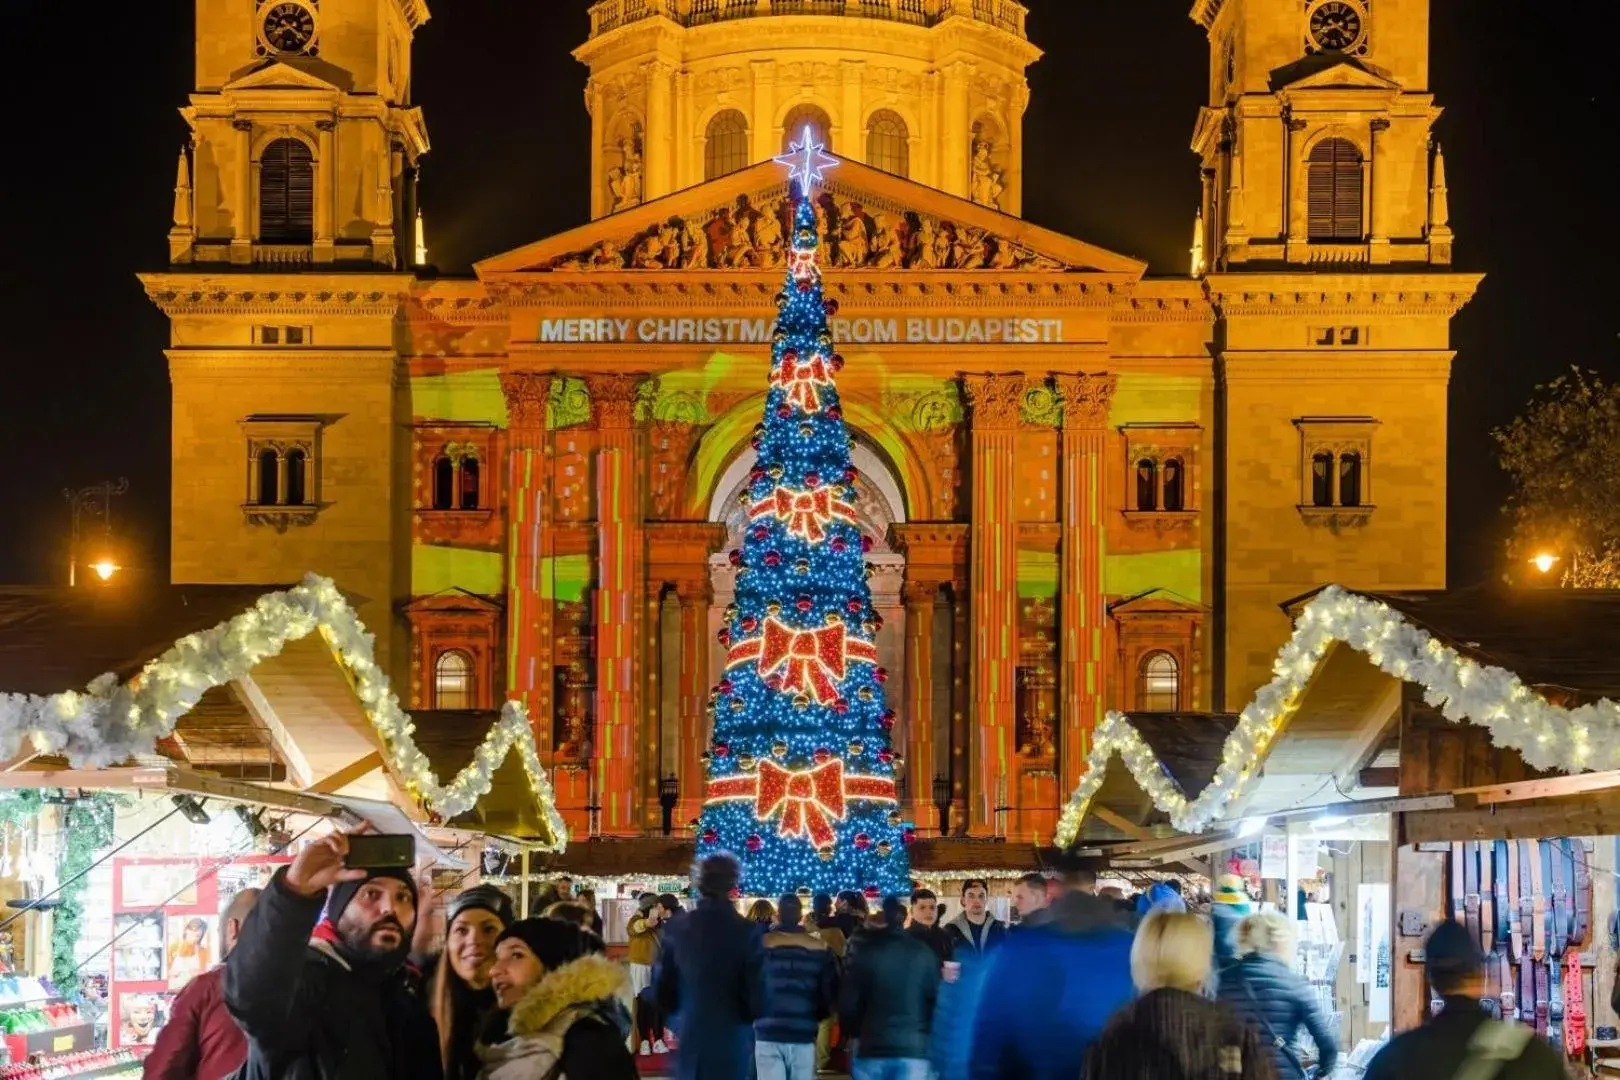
802 778
86 1064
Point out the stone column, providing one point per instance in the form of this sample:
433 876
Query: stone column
684 139
325 191
851 141
925 169
1295 202
695 595
242 237
1012 199
993 561
918 711
1377 194
593 104
619 613
530 595
657 175
1086 399
762 122
953 170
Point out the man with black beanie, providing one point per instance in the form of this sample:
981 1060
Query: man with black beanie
317 979
1462 1039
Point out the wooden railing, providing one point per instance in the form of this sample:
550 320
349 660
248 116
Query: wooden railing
610 15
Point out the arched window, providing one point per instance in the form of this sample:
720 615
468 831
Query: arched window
444 483
453 680
1333 185
1350 479
802 116
1322 479
888 143
269 466
469 483
286 193
1147 484
296 460
726 148
1175 485
1158 683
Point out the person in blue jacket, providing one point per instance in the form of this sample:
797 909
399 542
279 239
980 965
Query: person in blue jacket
1262 987
1050 989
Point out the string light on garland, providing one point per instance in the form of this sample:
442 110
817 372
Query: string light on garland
790 791
112 723
1549 737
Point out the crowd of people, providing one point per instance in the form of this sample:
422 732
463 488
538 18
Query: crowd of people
330 973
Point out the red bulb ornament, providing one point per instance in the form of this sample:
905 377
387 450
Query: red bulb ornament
830 306
710 836
804 603
862 841
754 842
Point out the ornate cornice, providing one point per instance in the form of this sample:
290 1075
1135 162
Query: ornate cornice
1086 399
322 295
1373 295
996 400
708 291
526 393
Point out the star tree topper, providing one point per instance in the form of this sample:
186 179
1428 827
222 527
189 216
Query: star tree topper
806 161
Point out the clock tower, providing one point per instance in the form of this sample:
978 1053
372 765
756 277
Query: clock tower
1315 142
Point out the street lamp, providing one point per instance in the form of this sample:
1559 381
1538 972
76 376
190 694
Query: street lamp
1544 561
96 502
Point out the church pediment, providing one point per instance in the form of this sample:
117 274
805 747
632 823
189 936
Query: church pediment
304 73
870 221
1331 72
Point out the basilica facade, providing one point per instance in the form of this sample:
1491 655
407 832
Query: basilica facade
1087 488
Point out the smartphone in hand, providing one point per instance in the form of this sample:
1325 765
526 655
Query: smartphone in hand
368 851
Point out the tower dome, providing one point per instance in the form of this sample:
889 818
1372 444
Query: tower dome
683 91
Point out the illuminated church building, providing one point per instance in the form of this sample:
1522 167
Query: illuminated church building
1088 488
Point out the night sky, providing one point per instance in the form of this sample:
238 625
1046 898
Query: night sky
1530 118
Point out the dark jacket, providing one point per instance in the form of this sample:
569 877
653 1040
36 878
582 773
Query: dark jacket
1277 1003
572 1017
1050 989
1438 1048
887 1005
200 1041
935 937
1174 1035
995 932
309 1013
800 985
708 978
1224 918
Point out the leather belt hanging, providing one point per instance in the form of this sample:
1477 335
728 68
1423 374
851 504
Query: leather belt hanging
1527 992
1555 1005
1492 1001
1471 888
1543 1002
1499 886
1515 932
1510 995
1457 882
1487 898
1538 918
1558 930
1574 1005
1583 894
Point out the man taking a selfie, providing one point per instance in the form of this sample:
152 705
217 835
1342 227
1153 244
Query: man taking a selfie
317 979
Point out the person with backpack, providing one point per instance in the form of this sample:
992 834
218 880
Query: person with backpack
1261 987
1462 1042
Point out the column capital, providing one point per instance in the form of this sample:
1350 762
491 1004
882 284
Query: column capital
996 400
1379 124
1086 399
526 393
613 399
919 594
694 591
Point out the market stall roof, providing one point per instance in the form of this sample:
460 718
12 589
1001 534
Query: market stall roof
450 739
1188 747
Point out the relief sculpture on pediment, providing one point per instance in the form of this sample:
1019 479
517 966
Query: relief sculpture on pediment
751 234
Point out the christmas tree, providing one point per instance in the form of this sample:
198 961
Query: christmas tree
801 774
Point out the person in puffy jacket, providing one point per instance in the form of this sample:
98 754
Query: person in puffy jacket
887 1004
800 979
1261 987
562 1014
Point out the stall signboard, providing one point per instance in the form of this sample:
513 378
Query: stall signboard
166 932
1274 856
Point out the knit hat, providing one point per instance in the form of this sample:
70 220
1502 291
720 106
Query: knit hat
481 898
1229 889
339 895
553 942
1451 954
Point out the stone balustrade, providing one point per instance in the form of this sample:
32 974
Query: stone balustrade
610 15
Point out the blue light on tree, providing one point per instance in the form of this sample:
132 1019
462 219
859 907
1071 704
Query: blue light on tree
801 774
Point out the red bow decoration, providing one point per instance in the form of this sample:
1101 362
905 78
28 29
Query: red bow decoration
813 662
807 513
800 379
810 799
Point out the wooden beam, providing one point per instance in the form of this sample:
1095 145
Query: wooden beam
23 758
1377 776
347 775
1547 788
1120 822
178 780
264 772
1590 814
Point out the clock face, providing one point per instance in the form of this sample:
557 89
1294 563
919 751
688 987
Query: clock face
1336 26
289 27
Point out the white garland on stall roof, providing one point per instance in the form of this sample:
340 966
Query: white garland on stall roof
1547 736
111 723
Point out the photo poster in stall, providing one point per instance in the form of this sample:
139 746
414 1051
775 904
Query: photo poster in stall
1374 949
166 924
1274 856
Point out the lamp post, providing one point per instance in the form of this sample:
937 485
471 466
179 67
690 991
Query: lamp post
942 803
669 794
95 502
